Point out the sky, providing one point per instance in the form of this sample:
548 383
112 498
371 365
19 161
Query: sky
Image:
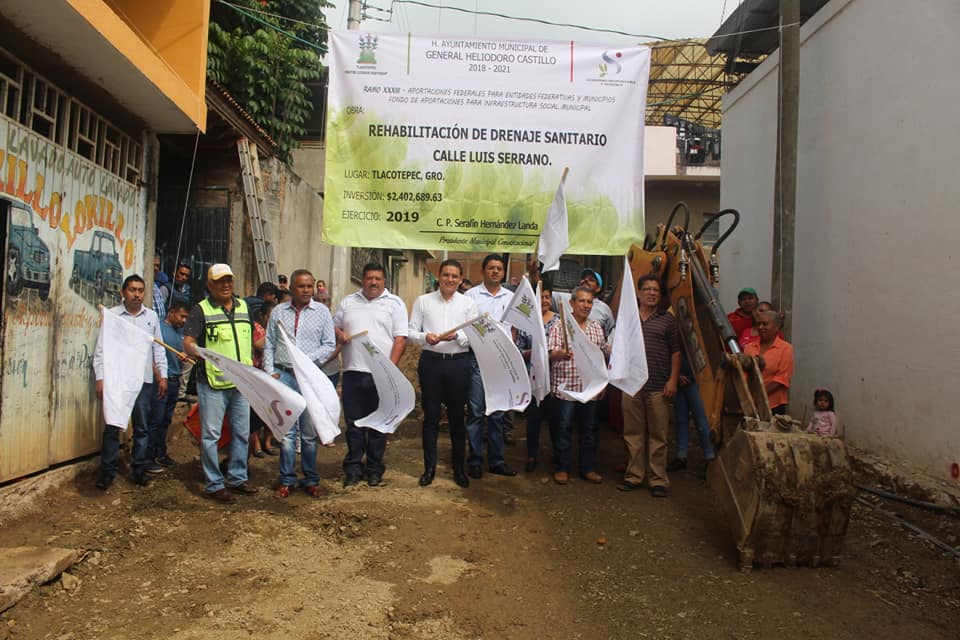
672 19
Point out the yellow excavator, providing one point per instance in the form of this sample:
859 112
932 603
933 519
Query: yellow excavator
786 493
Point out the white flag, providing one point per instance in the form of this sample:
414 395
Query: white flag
126 350
506 385
278 405
321 397
554 239
397 396
628 357
523 312
589 361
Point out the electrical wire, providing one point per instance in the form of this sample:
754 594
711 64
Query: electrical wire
263 22
186 199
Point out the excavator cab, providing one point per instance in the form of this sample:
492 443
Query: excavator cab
787 494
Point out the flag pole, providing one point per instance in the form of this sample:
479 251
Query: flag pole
563 326
180 354
461 326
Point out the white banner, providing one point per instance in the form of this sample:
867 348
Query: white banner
126 350
318 392
452 142
278 405
628 356
589 361
397 396
524 314
506 385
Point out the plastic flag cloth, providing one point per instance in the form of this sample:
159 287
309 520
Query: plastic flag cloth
278 405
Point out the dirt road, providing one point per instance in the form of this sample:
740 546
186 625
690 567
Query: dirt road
506 558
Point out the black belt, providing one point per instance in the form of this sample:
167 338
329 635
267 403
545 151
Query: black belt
445 356
285 369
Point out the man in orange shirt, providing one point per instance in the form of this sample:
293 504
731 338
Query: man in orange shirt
776 360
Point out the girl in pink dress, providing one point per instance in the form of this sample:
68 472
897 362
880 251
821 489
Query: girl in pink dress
824 420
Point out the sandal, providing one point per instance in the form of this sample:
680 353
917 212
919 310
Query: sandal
259 454
270 451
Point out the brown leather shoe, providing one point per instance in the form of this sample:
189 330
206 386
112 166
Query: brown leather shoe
246 489
561 477
592 476
283 491
220 495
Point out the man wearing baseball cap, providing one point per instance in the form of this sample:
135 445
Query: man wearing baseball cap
601 312
222 324
742 317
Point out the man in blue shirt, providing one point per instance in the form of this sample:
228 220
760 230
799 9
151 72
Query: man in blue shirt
162 407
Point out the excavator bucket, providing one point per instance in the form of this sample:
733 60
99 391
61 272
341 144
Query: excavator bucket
787 496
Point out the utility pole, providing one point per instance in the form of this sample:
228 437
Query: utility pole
340 259
785 189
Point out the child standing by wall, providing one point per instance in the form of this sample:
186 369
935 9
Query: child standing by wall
824 420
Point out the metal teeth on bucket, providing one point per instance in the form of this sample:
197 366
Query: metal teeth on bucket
787 495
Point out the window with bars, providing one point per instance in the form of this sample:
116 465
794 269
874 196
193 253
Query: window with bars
30 100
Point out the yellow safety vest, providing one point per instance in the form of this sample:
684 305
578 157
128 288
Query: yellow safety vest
230 338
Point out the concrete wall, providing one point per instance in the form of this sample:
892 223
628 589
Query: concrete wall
876 225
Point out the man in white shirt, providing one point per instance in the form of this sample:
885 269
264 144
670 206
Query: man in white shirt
133 311
444 368
490 298
384 317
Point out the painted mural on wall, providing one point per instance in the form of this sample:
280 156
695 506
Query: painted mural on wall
74 231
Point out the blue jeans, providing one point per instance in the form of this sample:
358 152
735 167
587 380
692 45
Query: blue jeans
110 447
214 404
308 445
476 408
688 399
161 414
564 412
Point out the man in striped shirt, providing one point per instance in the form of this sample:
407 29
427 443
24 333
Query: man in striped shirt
646 415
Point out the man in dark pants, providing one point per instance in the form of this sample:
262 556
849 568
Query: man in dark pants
133 311
444 367
383 316
161 411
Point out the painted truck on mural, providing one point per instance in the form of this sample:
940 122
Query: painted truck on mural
97 274
28 257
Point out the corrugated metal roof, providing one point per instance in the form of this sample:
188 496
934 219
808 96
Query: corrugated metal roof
687 82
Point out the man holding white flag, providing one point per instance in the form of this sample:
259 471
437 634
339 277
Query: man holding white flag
444 367
126 362
554 238
490 298
382 318
221 323
578 376
309 326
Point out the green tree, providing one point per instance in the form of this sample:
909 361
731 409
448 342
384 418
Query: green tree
265 60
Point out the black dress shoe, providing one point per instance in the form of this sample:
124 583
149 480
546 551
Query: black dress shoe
475 471
461 479
427 477
374 480
349 481
104 482
141 480
502 470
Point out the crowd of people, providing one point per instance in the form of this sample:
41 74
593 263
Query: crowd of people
249 330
